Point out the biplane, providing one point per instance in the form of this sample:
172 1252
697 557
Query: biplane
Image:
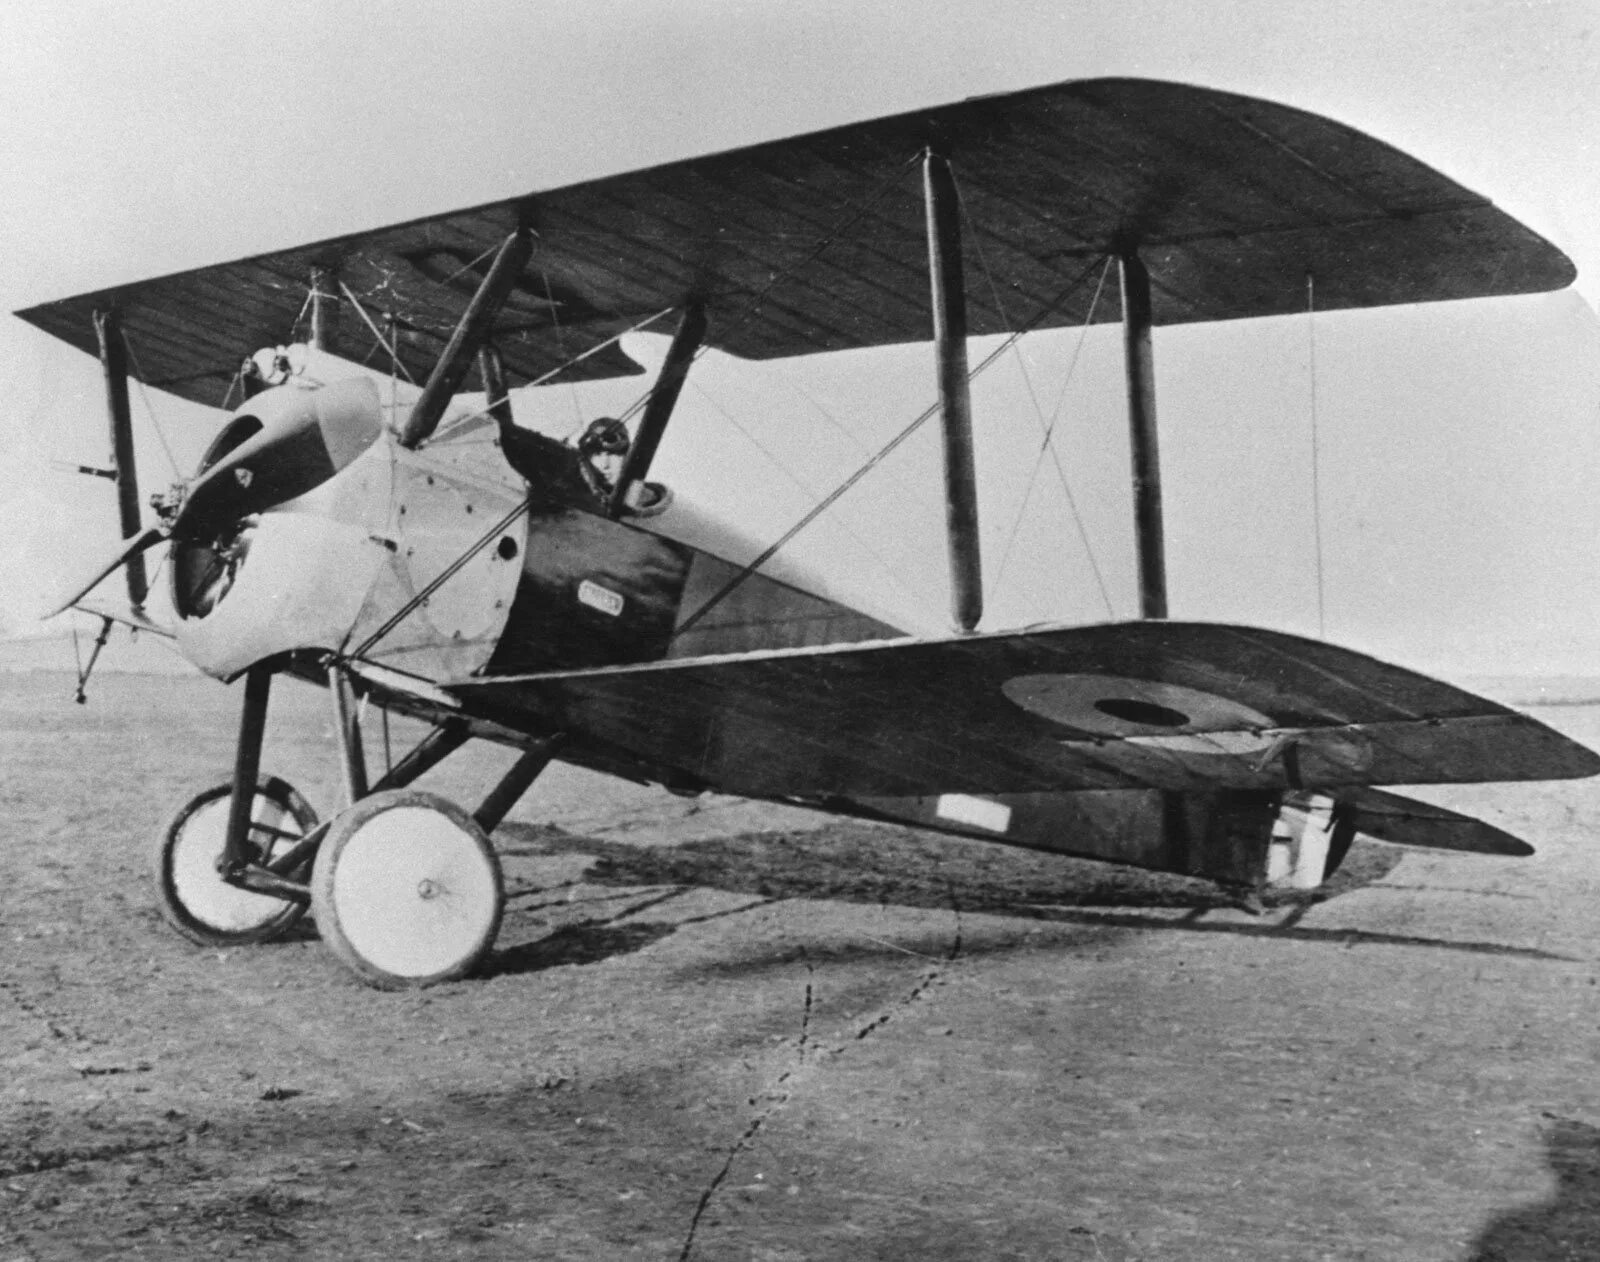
412 547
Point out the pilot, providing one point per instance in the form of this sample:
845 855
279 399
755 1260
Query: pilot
554 470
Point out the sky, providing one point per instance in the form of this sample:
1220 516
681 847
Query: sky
1456 444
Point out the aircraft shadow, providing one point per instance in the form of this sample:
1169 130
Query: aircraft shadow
885 865
1568 1225
889 866
576 944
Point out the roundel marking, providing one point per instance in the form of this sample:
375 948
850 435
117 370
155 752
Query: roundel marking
1119 707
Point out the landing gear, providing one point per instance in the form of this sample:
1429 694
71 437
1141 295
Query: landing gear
405 887
407 890
194 897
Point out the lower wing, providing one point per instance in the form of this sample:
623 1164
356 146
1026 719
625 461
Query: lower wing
1163 705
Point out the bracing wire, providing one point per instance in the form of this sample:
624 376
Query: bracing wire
561 343
1047 446
1048 428
891 571
752 307
155 422
791 383
469 266
1027 382
600 346
821 507
439 580
395 363
882 454
457 422
1316 455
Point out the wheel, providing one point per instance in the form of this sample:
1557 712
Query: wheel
193 897
406 890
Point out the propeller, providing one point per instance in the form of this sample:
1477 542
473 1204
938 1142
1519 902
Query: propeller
304 438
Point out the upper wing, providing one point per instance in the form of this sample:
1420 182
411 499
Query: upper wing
1165 705
817 243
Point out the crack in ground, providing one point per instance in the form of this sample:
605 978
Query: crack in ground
777 1099
929 978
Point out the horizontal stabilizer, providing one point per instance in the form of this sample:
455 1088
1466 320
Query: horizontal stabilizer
1404 821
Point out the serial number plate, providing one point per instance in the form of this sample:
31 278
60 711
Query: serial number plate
601 598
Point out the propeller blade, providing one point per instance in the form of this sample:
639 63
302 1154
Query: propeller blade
129 549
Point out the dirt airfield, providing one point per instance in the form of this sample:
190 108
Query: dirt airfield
717 1030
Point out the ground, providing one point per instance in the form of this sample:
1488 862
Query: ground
715 1030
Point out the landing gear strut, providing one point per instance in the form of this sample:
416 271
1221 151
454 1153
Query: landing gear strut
404 885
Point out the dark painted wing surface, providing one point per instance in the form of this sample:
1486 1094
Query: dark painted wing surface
816 243
1168 705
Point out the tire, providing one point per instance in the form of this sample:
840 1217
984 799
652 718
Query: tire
193 897
407 890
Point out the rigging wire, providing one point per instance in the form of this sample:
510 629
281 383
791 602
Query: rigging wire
1316 455
395 363
883 453
751 308
600 346
456 422
155 423
792 383
471 266
893 573
1027 381
1048 446
439 580
739 319
561 342
1048 428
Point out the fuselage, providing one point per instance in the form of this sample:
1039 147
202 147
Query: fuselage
488 550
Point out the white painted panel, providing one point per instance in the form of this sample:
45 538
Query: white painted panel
959 808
